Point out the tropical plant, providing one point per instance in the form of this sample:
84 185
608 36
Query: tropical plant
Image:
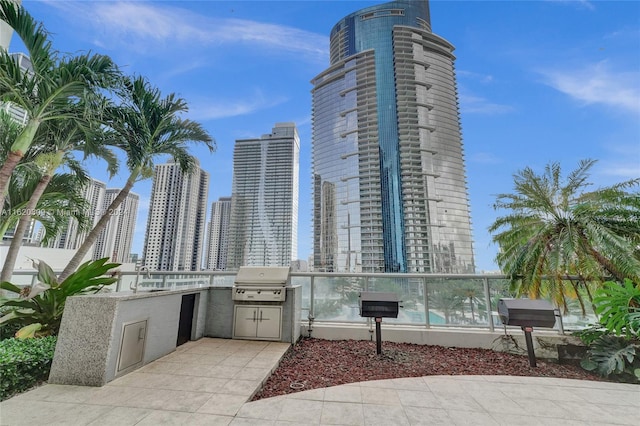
614 344
618 306
558 237
49 90
56 139
39 307
61 201
145 126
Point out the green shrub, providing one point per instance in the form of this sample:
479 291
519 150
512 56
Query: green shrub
24 363
614 344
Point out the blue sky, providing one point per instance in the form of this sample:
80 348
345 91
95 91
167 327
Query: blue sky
538 81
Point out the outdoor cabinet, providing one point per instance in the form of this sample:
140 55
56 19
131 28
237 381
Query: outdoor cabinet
257 322
131 345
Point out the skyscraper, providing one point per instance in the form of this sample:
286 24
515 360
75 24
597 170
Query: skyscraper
116 238
176 223
389 180
264 207
218 240
71 238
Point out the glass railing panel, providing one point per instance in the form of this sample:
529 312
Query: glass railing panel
223 280
498 289
457 301
410 292
305 287
336 298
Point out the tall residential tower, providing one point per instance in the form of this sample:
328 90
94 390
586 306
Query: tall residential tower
264 208
389 180
116 238
218 240
176 223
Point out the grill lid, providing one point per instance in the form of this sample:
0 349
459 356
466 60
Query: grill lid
257 276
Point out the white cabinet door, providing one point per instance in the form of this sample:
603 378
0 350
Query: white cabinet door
269 322
245 322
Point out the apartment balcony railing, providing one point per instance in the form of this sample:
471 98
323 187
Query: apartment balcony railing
428 300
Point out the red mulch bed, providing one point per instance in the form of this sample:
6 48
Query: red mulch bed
316 363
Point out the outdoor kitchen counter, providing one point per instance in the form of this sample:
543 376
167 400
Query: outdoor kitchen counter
111 334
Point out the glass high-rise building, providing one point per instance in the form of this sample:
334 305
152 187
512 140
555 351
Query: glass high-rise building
263 229
218 239
176 223
389 180
116 238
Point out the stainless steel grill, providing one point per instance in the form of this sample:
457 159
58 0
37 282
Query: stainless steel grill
261 283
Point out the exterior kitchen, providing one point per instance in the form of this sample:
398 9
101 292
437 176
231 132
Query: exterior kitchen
112 334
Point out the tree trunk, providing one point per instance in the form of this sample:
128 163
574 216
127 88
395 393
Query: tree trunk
5 173
23 224
16 152
95 232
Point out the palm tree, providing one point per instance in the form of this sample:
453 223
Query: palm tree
56 139
557 229
50 89
145 126
62 200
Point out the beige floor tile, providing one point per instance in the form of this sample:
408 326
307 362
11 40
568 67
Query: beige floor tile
343 394
301 410
458 402
115 395
239 421
382 396
201 419
223 404
414 398
121 416
242 387
210 359
384 415
236 361
252 374
186 401
466 418
156 418
221 372
159 367
267 409
313 394
154 399
342 413
419 416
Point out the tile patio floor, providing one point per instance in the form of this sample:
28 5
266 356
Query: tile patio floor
209 381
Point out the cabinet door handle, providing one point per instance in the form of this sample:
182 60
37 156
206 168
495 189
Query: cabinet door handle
141 333
261 316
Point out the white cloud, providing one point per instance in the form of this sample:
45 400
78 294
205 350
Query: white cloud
143 26
483 78
582 4
598 84
484 158
470 104
203 109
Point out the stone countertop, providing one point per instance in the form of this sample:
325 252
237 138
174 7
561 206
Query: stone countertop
144 293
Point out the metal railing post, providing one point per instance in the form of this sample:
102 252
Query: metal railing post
487 296
311 297
427 320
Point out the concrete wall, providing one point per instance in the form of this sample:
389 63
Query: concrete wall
545 342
